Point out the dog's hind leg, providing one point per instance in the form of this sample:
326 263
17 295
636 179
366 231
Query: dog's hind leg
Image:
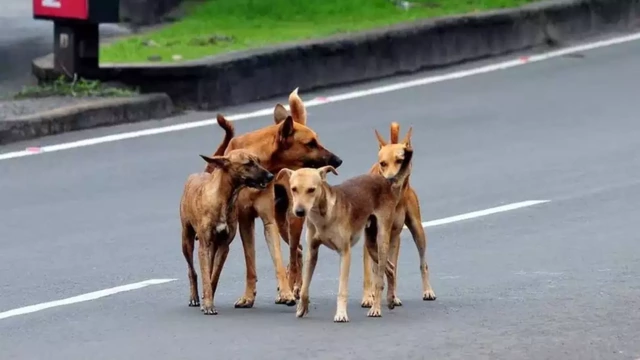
246 225
413 221
219 259
367 285
205 256
394 254
188 242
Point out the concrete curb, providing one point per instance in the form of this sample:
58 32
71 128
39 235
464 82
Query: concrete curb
247 76
95 113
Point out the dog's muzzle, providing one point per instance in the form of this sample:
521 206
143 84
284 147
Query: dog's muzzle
299 212
335 161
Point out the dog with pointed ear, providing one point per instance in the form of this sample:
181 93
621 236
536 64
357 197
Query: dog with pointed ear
337 215
391 155
407 213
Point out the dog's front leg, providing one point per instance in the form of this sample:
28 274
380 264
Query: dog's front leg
246 224
343 286
394 254
295 254
205 257
309 266
272 236
219 258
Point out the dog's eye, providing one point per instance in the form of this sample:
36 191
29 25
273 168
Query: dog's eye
311 190
383 164
398 161
294 189
312 144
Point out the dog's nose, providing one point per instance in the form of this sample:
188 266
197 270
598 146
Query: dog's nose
335 161
270 176
299 212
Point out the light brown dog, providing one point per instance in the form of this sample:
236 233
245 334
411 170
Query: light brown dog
336 217
407 213
288 143
207 209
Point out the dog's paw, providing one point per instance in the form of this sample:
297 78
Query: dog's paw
302 309
296 292
341 317
194 302
367 301
244 303
393 301
429 295
286 299
374 312
209 310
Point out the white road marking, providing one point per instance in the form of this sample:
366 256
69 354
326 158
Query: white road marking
81 298
480 213
331 99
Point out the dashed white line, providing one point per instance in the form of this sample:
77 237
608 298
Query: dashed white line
480 213
330 99
81 298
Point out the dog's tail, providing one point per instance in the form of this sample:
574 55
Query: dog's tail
395 133
405 168
229 133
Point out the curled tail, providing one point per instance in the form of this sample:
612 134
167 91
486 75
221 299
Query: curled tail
229 133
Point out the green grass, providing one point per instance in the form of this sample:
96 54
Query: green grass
216 26
73 88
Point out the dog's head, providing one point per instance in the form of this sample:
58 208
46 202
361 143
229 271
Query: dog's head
243 167
306 186
392 154
298 145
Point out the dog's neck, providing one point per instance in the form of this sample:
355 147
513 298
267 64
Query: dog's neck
221 192
323 208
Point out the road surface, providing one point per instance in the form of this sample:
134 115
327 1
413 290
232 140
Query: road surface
557 279
22 39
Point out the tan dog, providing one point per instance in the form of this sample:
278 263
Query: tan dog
336 217
407 213
207 209
288 143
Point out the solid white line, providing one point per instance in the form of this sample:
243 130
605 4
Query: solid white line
480 213
81 298
331 99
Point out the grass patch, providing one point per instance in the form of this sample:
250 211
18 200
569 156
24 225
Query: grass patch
73 88
216 26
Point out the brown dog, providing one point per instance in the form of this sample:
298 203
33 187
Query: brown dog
207 209
336 217
288 143
407 212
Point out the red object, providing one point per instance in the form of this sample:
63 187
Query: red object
524 58
33 149
64 9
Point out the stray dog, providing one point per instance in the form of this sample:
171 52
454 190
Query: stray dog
407 213
288 143
207 209
336 217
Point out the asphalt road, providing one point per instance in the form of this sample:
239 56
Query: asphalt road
22 39
557 280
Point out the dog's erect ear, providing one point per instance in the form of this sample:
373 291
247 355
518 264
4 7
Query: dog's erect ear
216 161
297 108
325 169
394 133
286 129
381 141
283 174
407 138
279 113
